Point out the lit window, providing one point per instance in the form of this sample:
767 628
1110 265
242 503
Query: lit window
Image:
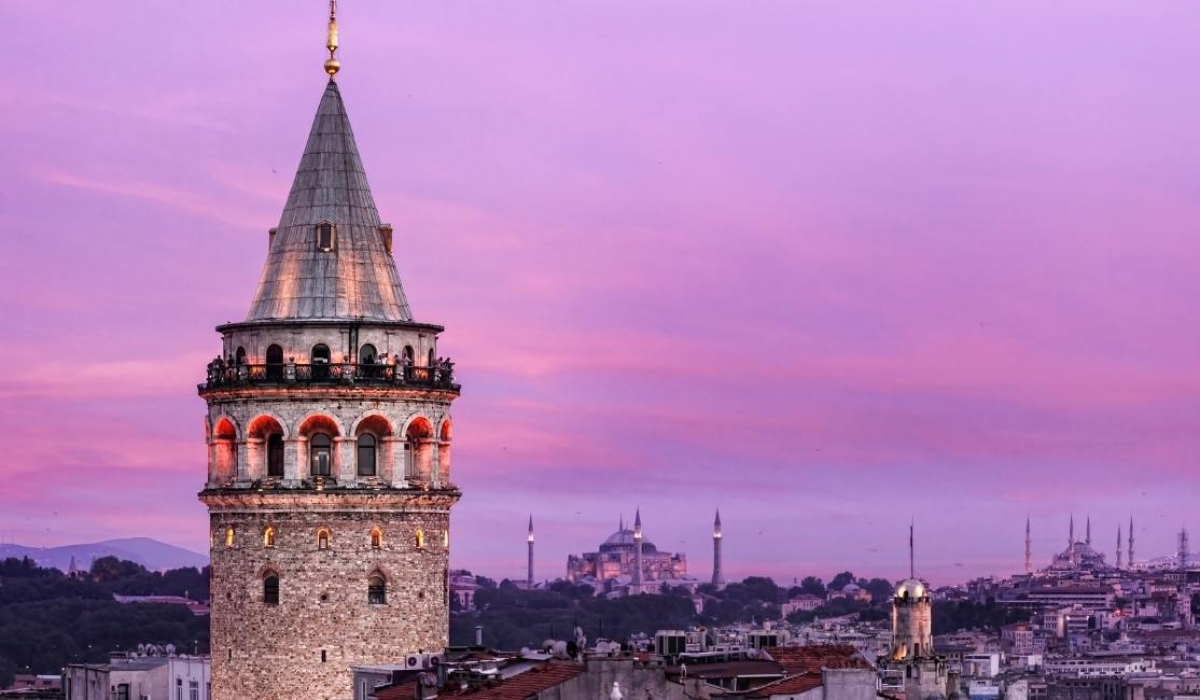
228 537
322 539
376 590
269 537
271 589
420 538
321 454
275 455
325 240
376 538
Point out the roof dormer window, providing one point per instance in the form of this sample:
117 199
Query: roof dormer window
325 236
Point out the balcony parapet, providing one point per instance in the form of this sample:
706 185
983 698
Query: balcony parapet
222 375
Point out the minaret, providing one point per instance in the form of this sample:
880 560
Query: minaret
1130 561
1183 548
328 486
1119 543
529 569
1088 541
1071 541
718 577
1028 547
638 574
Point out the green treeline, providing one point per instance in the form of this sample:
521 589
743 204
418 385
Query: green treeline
48 619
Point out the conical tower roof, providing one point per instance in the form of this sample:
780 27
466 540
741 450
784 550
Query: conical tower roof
356 278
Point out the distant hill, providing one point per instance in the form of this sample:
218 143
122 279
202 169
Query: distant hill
150 553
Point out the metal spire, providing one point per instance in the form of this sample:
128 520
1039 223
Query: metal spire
332 64
912 560
1028 547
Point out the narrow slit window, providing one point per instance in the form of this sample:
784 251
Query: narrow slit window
325 236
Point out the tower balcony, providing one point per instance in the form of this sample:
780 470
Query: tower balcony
221 375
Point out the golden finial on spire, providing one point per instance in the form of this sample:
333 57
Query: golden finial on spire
332 64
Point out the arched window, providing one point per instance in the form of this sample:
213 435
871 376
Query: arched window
241 355
275 455
376 538
377 589
446 539
406 362
269 537
271 588
367 354
366 454
322 539
274 362
320 452
320 361
229 538
420 538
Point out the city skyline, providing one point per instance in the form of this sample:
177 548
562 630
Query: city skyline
826 285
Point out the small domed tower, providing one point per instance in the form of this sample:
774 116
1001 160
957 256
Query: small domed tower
329 484
912 621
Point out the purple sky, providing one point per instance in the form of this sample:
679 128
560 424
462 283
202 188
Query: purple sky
828 265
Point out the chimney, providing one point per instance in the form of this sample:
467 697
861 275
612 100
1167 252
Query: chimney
478 635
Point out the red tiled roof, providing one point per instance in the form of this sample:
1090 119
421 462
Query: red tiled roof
524 685
403 691
815 657
792 685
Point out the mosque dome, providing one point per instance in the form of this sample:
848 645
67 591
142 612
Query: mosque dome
623 539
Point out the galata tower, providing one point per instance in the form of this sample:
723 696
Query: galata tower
329 436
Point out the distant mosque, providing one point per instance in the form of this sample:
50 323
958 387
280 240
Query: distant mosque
1079 555
627 554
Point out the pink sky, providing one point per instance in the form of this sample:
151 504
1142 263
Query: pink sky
828 266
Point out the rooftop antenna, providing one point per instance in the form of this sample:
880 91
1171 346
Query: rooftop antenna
332 64
912 567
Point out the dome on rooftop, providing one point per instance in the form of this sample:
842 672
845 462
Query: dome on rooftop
623 539
912 588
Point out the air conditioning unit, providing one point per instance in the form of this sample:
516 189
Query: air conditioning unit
416 661
436 660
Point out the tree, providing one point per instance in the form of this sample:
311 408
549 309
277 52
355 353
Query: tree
841 581
813 585
8 672
880 589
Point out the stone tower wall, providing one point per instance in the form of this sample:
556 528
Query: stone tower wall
302 648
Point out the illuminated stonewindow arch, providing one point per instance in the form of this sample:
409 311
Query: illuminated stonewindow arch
229 538
323 538
376 538
269 537
420 538
325 236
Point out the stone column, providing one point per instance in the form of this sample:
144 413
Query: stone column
295 458
243 461
256 460
346 466
389 471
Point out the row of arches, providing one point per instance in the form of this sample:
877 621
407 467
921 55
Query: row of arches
320 447
324 538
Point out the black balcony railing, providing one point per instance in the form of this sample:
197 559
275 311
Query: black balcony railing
222 374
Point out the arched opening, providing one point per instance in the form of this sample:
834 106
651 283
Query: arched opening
266 435
269 537
376 538
367 355
366 454
274 362
418 452
377 589
320 361
229 538
322 539
373 452
406 362
368 362
224 452
420 538
325 236
271 588
240 356
320 454
320 431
